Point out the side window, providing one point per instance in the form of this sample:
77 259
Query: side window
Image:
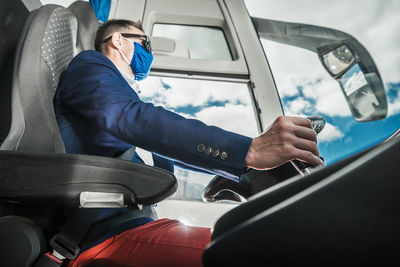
195 39
224 104
306 88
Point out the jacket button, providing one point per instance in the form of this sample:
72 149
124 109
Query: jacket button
216 153
208 150
224 155
200 148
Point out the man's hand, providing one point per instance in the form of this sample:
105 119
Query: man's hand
288 138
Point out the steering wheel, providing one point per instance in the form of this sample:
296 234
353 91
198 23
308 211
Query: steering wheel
253 181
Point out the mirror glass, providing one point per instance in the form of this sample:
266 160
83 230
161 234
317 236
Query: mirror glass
339 59
360 96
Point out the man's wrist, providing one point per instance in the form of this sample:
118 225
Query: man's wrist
248 161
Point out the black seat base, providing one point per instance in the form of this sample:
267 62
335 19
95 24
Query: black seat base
22 241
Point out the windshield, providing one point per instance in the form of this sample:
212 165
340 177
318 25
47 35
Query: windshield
306 88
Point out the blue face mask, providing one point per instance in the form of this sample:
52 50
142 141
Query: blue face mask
140 63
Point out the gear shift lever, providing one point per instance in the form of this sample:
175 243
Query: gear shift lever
318 123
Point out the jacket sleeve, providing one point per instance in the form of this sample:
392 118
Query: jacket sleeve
100 97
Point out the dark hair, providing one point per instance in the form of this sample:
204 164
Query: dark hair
111 26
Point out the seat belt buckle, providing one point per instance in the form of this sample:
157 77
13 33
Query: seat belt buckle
54 258
71 253
48 260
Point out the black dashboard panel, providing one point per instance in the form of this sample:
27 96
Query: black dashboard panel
345 214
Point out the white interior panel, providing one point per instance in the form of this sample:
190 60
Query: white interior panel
127 9
208 13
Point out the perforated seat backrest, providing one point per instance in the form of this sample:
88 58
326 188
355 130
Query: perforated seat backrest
46 46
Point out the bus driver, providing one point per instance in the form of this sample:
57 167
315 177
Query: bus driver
98 113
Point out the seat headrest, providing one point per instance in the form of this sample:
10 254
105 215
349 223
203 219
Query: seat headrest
87 24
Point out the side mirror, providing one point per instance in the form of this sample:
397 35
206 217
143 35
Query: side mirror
363 90
345 59
338 60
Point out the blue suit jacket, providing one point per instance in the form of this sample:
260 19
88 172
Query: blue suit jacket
99 114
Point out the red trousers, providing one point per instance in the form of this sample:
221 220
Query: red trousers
162 242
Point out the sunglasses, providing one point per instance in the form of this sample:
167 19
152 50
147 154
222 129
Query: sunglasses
146 43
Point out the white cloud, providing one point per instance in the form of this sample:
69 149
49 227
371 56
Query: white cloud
298 106
330 133
285 60
333 104
300 69
236 118
326 93
235 115
381 39
183 92
375 23
288 87
394 105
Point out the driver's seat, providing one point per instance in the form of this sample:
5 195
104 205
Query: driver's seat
36 176
37 70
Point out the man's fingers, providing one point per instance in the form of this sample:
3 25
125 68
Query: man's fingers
288 138
309 157
307 145
306 133
301 121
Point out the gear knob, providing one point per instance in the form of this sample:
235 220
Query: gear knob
317 123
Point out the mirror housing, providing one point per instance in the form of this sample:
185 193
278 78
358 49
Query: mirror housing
363 90
338 52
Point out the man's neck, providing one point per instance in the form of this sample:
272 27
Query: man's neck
119 62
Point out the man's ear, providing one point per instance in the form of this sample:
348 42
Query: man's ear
116 40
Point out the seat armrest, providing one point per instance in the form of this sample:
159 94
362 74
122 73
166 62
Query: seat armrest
59 179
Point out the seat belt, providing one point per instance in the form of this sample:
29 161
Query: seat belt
65 244
128 154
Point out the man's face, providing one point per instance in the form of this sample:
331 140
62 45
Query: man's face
127 42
